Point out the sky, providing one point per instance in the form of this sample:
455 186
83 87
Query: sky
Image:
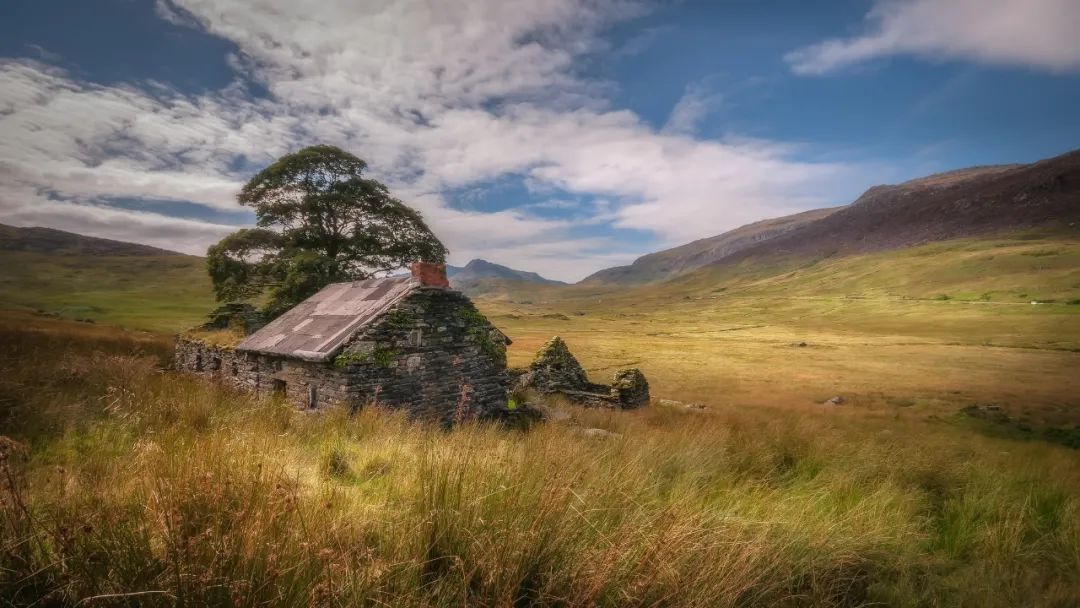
556 136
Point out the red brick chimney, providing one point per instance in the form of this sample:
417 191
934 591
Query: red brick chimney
430 274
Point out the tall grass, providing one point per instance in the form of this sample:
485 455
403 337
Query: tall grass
129 485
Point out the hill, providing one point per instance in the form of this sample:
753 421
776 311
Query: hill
945 206
48 240
92 279
955 204
702 252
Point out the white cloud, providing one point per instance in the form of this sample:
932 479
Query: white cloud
697 102
1041 34
172 233
433 95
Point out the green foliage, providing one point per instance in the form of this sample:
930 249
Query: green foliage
479 330
382 356
347 359
319 221
398 319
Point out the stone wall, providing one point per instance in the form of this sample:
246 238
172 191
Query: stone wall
555 370
432 354
265 375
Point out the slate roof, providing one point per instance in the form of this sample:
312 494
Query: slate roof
316 328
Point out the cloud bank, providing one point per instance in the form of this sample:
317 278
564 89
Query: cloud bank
434 95
1039 34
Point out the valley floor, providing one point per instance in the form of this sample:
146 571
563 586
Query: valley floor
123 484
740 353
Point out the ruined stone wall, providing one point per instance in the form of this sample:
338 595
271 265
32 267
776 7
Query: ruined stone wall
432 354
265 375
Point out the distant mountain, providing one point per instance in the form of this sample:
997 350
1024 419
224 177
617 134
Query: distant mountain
482 271
48 240
670 262
966 202
956 204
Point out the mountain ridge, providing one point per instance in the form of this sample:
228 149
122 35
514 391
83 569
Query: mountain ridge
38 239
481 275
951 204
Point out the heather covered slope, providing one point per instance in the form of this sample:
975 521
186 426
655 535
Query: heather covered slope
936 208
49 240
966 202
670 262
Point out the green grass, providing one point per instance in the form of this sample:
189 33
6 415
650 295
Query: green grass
161 293
875 330
141 487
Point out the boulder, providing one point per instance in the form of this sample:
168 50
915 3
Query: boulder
630 389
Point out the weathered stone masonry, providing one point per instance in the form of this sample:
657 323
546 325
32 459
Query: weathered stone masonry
431 353
263 374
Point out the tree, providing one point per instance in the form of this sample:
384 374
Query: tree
319 222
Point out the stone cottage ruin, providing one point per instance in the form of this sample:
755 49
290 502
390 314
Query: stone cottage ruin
556 371
407 342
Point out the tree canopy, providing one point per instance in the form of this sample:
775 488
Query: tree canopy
319 221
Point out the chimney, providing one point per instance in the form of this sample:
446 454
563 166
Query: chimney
430 274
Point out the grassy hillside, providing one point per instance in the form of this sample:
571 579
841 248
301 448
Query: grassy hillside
670 262
158 292
125 485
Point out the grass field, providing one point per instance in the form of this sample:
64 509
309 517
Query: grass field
127 485
161 293
126 479
876 329
913 333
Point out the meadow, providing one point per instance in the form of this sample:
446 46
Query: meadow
916 333
125 483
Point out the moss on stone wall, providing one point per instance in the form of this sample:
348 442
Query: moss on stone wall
480 332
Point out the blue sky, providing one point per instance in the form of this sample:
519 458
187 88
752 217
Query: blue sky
560 137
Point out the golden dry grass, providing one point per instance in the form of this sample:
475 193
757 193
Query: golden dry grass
142 487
